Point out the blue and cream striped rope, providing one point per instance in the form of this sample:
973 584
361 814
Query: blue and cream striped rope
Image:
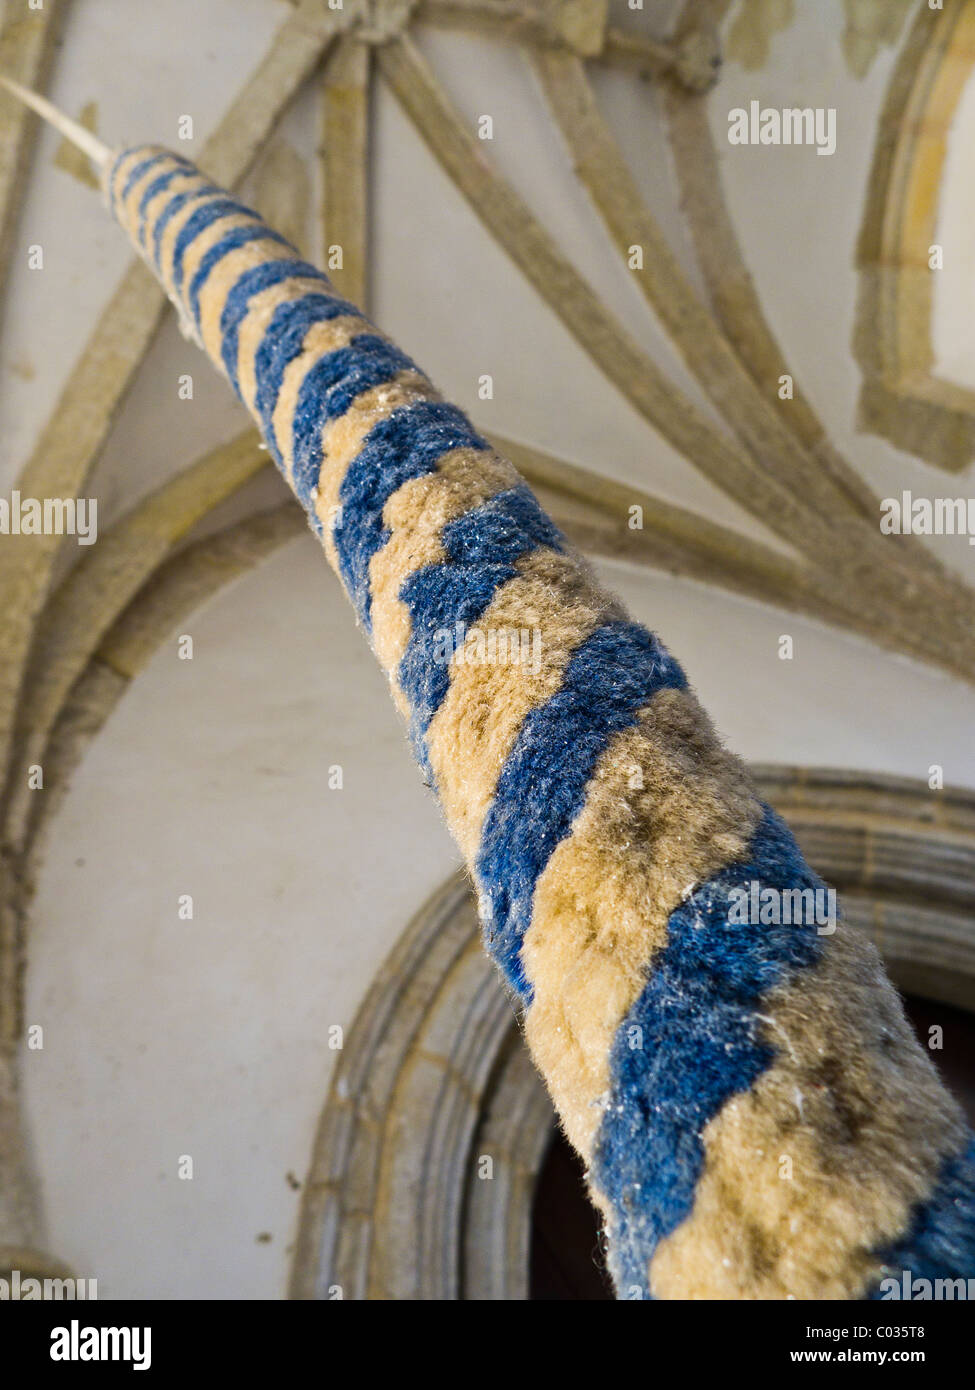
755 1115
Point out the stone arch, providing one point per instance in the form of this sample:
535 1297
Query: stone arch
902 398
433 1076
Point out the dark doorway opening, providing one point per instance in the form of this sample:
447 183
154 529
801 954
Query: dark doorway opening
566 1249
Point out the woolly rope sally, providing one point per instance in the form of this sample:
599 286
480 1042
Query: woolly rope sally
606 828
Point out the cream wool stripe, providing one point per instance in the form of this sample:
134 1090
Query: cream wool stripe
606 828
817 1099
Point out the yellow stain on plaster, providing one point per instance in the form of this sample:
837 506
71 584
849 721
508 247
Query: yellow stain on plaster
753 28
281 192
870 24
71 159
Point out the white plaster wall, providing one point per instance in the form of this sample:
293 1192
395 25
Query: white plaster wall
165 1037
209 1038
798 216
953 289
131 57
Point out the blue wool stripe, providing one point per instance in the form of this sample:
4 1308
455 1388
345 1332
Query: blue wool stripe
251 283
167 214
196 224
328 391
405 445
283 341
941 1236
136 172
158 185
610 677
699 1044
113 169
482 547
236 237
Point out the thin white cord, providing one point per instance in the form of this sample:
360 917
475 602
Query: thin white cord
98 153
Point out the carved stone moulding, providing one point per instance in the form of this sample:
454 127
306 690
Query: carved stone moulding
436 1125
